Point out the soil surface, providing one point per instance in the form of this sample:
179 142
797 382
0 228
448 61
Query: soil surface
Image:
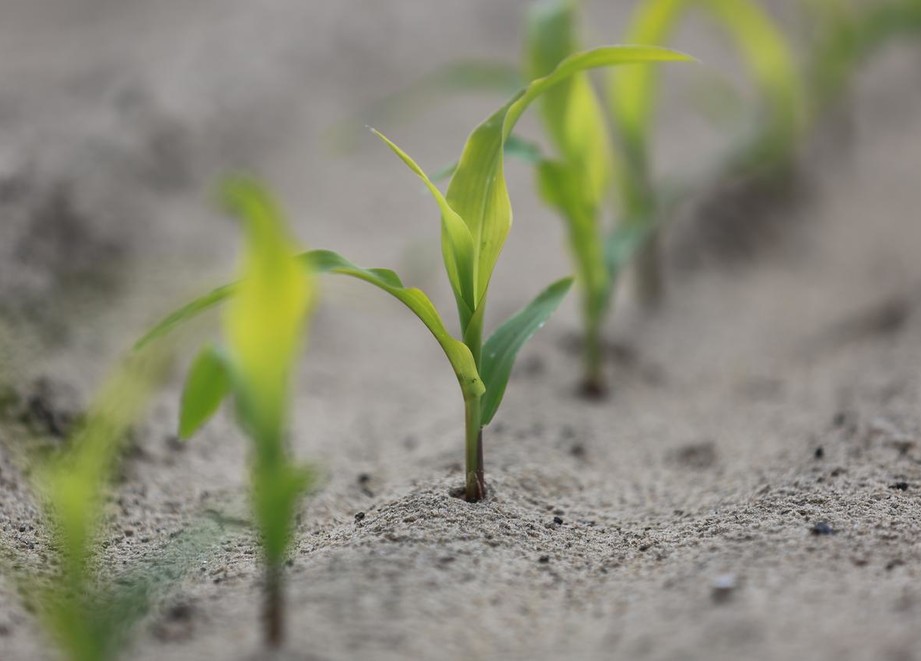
750 490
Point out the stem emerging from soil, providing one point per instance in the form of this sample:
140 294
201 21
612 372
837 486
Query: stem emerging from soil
593 384
274 614
475 489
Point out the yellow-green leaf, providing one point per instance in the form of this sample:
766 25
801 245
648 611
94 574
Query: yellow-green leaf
264 321
456 242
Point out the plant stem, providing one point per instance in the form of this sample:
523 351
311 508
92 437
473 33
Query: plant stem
274 613
593 385
475 489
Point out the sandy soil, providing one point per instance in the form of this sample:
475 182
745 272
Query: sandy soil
750 490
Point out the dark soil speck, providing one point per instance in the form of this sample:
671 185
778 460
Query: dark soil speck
822 528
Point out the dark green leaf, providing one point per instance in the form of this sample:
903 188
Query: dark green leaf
206 386
502 347
185 313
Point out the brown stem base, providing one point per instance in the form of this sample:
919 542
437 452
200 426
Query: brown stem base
274 614
593 389
476 481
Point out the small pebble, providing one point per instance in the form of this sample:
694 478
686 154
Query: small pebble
900 486
544 559
558 520
822 528
819 452
359 517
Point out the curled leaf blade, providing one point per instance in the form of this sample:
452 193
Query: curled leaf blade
456 241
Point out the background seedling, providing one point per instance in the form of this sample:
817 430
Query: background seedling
264 326
633 94
88 615
476 217
578 182
847 33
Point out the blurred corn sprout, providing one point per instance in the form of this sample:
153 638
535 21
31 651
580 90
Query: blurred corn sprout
846 34
633 94
578 180
264 328
86 613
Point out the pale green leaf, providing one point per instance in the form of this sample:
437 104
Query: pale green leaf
206 386
265 320
516 147
503 346
184 314
456 242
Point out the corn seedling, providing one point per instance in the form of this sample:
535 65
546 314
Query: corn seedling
848 33
632 101
88 618
264 326
476 217
579 180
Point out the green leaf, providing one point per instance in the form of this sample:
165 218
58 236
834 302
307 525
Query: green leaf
184 314
478 191
206 386
457 352
503 345
456 242
571 112
516 147
560 187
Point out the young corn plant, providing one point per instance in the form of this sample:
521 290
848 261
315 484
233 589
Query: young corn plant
264 327
847 34
476 217
632 101
87 618
578 181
